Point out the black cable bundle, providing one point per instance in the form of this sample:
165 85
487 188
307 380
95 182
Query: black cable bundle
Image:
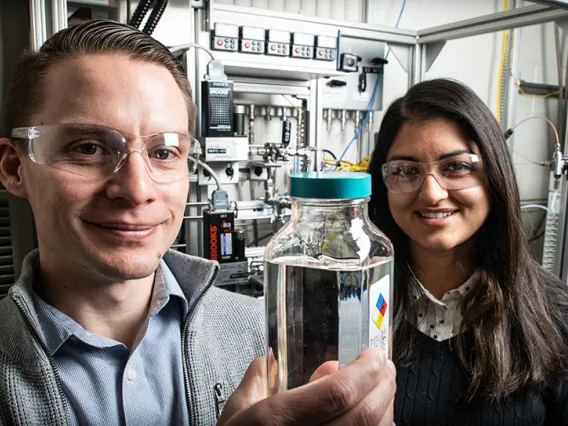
140 13
155 17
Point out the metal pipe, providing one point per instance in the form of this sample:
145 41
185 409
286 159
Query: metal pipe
531 15
37 23
328 118
59 14
251 124
370 146
251 205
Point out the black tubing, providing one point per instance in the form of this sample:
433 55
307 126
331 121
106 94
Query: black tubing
155 17
140 13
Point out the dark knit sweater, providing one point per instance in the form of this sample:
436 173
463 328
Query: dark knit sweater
428 394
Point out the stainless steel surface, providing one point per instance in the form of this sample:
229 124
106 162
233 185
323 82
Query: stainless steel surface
558 3
515 18
563 23
270 86
551 260
417 73
562 240
432 51
402 53
59 15
38 22
286 67
350 97
280 67
195 61
199 4
104 3
561 253
319 26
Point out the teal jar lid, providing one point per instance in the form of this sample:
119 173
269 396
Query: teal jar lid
330 185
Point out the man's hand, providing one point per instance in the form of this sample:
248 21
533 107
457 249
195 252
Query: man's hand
360 394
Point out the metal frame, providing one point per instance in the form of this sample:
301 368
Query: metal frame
557 3
431 40
562 242
59 15
38 22
351 29
530 15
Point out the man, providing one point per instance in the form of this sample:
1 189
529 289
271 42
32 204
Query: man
106 326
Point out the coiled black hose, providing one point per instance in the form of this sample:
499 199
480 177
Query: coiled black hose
155 16
140 13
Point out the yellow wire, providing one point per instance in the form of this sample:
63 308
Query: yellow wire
347 166
292 103
501 64
543 96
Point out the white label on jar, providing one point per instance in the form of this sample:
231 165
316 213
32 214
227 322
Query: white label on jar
379 306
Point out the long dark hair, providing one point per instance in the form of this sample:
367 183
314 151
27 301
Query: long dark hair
514 328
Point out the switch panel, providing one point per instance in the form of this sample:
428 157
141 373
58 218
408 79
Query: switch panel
302 45
252 40
278 43
326 48
226 37
227 173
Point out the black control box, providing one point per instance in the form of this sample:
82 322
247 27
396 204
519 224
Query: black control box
218 228
217 108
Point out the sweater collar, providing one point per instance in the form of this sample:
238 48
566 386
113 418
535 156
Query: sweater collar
193 274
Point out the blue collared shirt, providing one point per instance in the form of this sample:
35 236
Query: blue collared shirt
106 383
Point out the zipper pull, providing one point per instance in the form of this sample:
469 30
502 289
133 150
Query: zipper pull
219 398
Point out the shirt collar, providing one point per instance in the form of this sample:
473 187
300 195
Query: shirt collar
58 327
166 285
418 292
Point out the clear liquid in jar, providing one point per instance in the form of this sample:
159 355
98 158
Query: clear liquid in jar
318 312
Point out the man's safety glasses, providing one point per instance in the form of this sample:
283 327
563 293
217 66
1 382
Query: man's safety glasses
459 171
97 152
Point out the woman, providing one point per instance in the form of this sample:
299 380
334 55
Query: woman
480 329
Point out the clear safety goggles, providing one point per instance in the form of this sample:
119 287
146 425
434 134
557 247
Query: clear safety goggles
96 152
461 171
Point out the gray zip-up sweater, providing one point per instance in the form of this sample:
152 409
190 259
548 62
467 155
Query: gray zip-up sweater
222 334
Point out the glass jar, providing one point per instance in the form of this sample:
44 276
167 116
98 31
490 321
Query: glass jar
328 277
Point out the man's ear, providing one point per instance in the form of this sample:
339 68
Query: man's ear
10 171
